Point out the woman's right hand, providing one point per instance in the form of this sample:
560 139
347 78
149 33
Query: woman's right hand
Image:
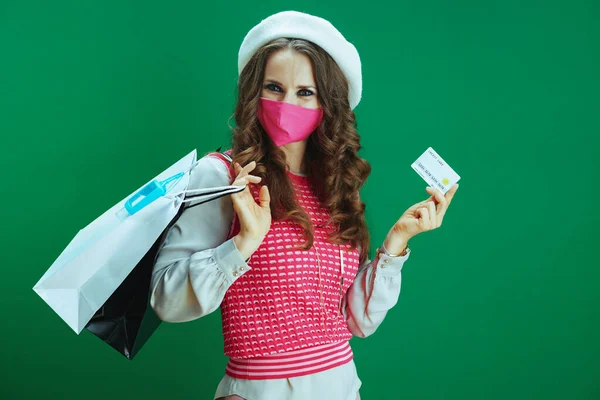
255 218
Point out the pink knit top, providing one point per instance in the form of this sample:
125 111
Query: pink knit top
280 319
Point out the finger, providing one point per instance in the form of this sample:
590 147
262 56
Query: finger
432 214
418 205
437 195
424 220
248 179
238 170
442 212
253 178
441 200
450 194
446 201
264 197
243 181
247 168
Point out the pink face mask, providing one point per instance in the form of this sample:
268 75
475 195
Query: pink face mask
286 123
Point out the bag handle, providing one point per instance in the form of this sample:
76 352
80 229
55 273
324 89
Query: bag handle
225 156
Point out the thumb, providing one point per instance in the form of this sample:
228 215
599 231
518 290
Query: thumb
420 204
416 206
264 197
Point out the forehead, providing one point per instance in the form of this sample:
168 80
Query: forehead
291 66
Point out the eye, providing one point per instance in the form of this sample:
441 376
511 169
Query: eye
310 93
273 87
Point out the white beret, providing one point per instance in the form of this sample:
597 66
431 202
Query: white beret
294 24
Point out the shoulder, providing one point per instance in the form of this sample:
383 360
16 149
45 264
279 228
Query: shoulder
208 172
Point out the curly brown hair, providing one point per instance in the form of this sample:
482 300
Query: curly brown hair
336 171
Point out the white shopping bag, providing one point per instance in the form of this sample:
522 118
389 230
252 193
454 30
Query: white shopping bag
101 255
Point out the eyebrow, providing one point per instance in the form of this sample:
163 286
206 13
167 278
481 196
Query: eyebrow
297 87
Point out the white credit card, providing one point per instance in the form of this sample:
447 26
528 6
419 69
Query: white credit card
434 170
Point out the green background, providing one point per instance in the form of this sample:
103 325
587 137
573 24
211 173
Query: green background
501 302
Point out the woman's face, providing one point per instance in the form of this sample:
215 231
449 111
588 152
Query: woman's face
289 78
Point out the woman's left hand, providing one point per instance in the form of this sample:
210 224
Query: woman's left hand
420 217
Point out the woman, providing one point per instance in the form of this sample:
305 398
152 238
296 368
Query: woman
286 259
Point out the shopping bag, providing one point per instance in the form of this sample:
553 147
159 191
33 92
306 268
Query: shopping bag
101 281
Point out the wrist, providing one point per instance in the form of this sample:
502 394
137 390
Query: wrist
396 246
246 246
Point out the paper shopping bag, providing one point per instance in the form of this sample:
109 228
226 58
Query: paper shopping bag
101 280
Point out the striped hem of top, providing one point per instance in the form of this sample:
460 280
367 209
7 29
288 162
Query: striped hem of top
292 363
